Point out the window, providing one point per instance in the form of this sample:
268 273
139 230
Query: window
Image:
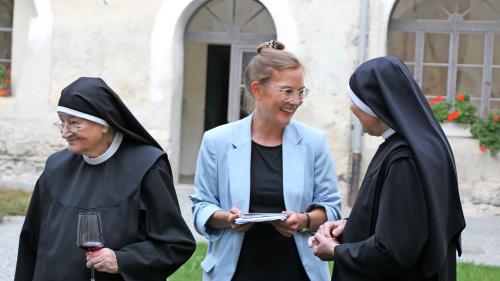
6 15
451 46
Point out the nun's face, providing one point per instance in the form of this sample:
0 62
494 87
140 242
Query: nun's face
271 102
84 137
371 125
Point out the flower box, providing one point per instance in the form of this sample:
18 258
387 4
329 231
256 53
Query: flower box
456 130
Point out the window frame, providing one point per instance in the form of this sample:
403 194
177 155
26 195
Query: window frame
454 26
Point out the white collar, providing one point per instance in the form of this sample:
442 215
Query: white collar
389 132
117 140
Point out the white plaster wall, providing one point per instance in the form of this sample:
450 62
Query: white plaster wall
113 42
378 23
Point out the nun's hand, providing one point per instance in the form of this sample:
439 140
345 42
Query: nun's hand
103 260
332 229
323 247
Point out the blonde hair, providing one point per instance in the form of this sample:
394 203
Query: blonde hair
271 56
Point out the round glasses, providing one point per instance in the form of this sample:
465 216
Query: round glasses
289 92
71 127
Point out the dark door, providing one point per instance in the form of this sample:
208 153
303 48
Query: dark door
217 85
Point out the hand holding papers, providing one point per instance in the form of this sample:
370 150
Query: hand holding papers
260 217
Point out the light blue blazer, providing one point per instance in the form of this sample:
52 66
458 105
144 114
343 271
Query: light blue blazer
222 181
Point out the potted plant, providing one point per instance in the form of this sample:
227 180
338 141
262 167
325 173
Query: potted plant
4 81
465 110
455 119
440 107
487 131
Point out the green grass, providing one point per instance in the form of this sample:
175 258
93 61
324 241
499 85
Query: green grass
473 272
13 202
191 270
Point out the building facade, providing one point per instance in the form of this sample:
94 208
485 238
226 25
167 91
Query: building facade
178 66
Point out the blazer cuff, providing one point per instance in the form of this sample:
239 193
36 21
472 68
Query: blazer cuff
202 219
332 214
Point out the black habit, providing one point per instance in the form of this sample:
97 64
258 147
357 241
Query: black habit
132 190
407 220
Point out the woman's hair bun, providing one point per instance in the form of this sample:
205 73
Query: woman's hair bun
273 44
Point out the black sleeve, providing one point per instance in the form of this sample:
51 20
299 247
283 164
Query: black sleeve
28 239
400 233
168 243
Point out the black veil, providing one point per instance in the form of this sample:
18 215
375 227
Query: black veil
93 96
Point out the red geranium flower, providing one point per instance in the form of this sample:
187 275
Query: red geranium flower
460 97
495 117
439 98
452 116
8 71
433 101
482 148
6 80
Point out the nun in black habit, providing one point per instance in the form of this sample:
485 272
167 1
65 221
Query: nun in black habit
407 220
112 165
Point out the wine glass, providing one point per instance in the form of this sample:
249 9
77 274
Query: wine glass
89 234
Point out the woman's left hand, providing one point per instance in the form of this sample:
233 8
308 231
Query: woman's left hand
291 225
103 260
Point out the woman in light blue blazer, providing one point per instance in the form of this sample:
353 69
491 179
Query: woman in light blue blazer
265 163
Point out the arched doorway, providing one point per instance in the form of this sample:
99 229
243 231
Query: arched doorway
451 46
220 39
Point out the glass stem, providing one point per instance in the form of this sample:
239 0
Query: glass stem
92 278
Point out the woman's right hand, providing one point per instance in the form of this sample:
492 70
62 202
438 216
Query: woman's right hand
234 213
222 219
332 229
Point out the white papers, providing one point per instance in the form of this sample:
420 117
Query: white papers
260 217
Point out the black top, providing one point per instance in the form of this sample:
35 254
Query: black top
266 179
387 87
389 224
265 253
141 220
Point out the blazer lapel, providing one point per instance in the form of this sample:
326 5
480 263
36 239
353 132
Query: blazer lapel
239 165
293 169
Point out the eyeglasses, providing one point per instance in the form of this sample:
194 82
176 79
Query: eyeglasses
289 92
71 127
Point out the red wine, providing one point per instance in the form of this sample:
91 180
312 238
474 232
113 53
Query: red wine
91 245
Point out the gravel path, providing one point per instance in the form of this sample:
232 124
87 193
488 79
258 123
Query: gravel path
480 240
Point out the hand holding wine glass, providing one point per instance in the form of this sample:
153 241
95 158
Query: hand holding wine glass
89 234
103 260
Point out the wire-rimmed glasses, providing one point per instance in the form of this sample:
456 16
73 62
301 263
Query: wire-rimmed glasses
71 127
289 92
89 234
